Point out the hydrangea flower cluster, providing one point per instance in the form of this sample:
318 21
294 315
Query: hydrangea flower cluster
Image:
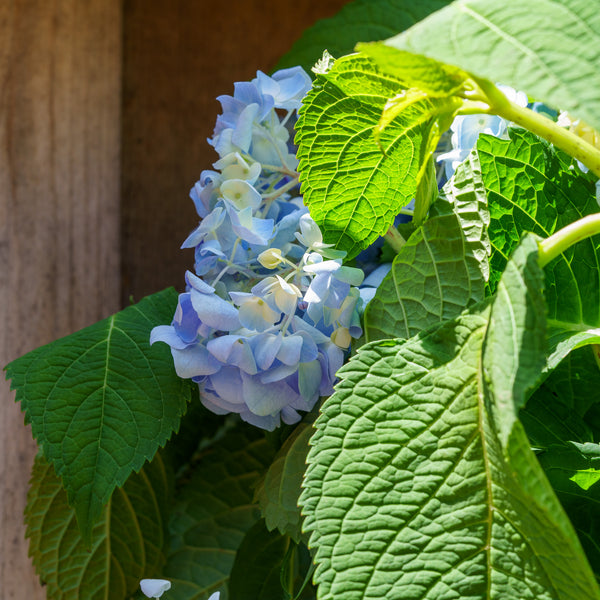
269 313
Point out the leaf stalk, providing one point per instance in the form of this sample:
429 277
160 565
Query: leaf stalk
541 125
563 239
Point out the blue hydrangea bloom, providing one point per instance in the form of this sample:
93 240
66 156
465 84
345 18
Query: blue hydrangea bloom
268 316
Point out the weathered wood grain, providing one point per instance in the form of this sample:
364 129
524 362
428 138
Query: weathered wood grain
60 82
68 257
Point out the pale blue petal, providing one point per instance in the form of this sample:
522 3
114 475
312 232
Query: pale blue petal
168 335
242 133
265 346
299 325
291 346
194 361
279 372
309 350
309 380
233 350
215 312
198 284
227 384
264 400
185 320
251 229
289 416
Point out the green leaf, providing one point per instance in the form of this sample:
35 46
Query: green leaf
127 541
102 401
547 48
559 421
256 572
586 478
442 268
354 184
533 187
362 20
568 467
421 483
277 494
434 78
213 512
560 410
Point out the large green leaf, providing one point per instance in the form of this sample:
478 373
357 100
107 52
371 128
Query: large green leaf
102 401
277 493
127 541
547 48
533 187
358 21
213 513
353 184
421 483
442 268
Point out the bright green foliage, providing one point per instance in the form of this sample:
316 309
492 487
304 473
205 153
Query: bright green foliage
102 401
256 573
442 268
422 485
532 187
277 494
361 20
213 512
354 184
432 77
127 541
547 48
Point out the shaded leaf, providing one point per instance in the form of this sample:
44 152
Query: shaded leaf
277 494
256 572
213 512
566 467
101 401
127 542
358 21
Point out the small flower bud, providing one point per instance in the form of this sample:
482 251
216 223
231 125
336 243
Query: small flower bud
341 337
271 258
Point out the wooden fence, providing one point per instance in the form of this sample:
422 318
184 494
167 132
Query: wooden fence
105 107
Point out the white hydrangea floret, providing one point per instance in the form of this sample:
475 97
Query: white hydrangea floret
154 588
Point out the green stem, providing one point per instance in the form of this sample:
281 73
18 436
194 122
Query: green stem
564 238
540 125
394 239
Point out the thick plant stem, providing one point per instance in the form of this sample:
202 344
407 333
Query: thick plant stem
394 239
540 125
558 242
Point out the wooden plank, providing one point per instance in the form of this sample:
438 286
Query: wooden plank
60 84
178 57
